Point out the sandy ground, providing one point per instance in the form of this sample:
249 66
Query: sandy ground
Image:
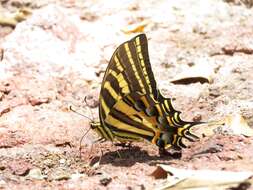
58 56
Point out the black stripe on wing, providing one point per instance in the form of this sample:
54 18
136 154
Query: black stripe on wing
141 46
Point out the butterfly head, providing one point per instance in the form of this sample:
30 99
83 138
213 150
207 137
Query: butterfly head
95 124
97 127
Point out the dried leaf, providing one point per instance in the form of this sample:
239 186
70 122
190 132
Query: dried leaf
238 125
135 28
203 179
14 19
198 73
159 173
232 124
208 128
189 80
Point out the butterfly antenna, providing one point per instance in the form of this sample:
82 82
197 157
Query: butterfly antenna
117 150
70 107
86 103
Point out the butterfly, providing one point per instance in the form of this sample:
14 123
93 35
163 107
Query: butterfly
131 108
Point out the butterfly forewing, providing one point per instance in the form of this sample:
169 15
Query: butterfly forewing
129 70
130 67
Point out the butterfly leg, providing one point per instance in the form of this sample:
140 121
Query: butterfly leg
102 153
100 140
119 154
116 149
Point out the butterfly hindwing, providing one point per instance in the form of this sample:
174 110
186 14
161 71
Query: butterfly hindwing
126 118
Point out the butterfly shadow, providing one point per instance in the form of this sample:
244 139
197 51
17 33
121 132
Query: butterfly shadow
126 157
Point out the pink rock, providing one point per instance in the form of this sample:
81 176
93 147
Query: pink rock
19 167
